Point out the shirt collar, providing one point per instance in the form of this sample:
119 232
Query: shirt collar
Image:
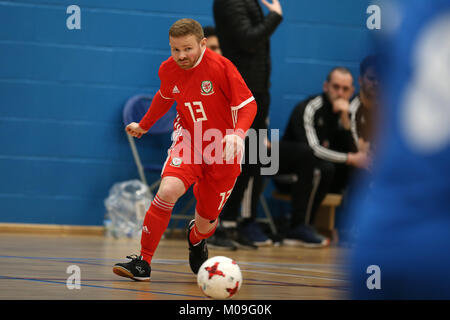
199 59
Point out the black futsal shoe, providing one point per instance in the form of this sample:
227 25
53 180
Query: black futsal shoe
137 269
198 253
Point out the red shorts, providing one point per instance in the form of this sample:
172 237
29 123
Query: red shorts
213 183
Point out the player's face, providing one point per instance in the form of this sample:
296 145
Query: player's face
339 86
212 43
186 50
369 83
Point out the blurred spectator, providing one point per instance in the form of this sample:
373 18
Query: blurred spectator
404 217
244 34
318 147
363 107
363 114
212 41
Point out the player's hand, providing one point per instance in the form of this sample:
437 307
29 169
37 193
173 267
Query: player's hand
233 145
274 6
135 130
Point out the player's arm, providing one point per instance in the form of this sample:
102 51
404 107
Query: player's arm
161 103
159 106
243 110
245 117
235 142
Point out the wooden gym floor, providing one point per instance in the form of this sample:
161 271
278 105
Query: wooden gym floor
35 266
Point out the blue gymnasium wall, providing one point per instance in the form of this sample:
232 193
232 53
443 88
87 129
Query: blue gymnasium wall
62 91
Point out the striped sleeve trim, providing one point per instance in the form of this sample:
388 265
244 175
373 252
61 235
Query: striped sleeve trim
160 93
234 110
354 107
234 116
311 135
243 104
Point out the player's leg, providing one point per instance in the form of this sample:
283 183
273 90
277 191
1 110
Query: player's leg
158 215
199 229
155 223
211 192
177 176
204 228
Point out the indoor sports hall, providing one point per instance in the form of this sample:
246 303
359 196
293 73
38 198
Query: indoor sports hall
75 186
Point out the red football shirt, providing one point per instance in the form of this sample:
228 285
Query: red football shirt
209 95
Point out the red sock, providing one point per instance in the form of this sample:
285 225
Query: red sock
195 236
155 223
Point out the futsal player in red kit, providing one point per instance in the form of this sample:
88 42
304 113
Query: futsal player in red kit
213 104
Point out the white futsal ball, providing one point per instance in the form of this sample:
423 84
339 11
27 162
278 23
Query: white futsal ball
219 278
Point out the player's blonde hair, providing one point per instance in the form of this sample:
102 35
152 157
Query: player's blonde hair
186 26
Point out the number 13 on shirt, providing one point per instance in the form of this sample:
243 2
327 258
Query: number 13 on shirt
197 111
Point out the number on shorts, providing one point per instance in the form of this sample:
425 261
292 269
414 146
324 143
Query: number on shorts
225 196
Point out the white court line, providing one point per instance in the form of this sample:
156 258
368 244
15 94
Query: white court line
294 275
296 267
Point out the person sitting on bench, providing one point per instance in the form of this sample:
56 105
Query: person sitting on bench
319 148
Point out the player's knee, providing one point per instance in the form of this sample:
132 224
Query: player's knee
171 190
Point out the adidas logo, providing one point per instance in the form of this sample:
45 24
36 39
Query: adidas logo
144 228
141 271
175 90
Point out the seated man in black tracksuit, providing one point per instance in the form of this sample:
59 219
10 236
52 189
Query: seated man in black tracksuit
318 146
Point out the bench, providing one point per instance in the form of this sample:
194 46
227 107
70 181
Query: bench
325 217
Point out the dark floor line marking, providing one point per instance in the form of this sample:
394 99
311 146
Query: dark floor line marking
75 260
101 287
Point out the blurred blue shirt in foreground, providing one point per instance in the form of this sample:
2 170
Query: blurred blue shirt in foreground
403 219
